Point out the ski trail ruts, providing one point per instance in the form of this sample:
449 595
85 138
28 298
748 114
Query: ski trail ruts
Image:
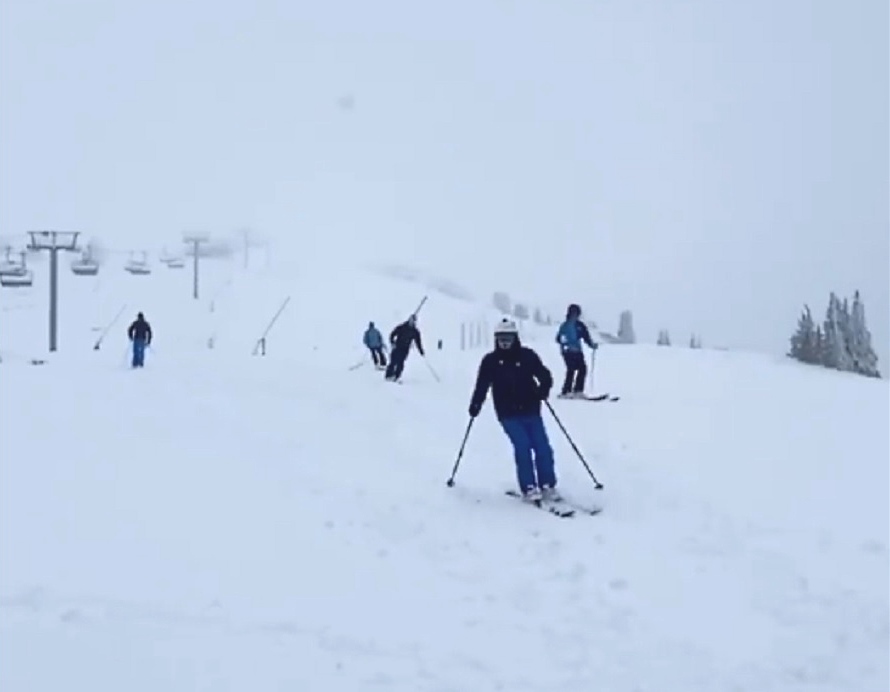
334 657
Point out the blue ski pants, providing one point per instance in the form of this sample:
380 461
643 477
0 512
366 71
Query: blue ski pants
138 353
532 451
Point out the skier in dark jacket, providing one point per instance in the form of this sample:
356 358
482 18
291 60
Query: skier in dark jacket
570 336
519 382
373 341
140 334
400 341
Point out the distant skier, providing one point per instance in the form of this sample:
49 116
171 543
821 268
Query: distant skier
140 334
570 336
401 339
519 382
373 340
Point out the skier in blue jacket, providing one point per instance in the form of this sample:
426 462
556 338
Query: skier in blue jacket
571 334
373 341
519 382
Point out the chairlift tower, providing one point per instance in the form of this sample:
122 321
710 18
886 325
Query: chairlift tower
53 241
195 239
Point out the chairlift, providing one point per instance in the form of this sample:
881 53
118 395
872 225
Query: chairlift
9 265
12 268
86 265
139 266
24 279
18 276
172 261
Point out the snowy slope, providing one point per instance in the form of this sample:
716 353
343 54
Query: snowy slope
223 522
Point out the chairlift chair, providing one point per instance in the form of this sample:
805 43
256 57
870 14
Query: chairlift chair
9 266
139 266
85 266
23 279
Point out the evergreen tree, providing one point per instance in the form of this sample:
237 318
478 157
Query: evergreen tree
803 341
664 338
832 346
844 326
818 346
626 333
862 354
539 317
842 342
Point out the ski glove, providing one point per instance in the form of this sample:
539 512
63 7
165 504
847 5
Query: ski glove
475 409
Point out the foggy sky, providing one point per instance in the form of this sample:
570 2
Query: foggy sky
711 165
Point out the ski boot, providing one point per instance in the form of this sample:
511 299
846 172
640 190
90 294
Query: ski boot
550 494
532 495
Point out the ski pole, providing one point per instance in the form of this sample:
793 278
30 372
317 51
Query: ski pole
420 306
596 483
460 454
108 327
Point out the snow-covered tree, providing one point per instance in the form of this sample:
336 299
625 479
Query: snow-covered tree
832 343
626 333
842 342
835 330
862 354
694 341
804 346
818 346
664 338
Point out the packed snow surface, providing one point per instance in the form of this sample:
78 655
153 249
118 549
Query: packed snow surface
228 522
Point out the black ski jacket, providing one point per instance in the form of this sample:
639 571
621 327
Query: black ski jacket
518 379
402 336
140 329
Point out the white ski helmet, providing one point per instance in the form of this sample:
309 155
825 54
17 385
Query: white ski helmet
505 333
506 326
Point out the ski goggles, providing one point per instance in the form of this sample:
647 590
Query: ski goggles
505 339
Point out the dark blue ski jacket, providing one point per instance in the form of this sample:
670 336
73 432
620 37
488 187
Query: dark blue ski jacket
518 380
140 330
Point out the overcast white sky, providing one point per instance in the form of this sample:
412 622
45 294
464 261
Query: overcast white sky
710 164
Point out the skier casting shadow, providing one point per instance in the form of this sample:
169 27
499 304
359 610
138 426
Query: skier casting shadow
519 382
400 340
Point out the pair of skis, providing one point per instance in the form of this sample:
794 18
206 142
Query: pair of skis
587 397
561 508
